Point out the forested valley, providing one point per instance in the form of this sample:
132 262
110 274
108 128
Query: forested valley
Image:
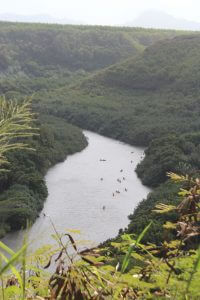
48 63
139 86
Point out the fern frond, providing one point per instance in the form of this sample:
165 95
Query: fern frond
163 208
177 178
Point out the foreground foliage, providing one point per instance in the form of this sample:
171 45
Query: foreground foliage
133 271
16 122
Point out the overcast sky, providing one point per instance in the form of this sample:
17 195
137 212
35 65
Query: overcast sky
108 12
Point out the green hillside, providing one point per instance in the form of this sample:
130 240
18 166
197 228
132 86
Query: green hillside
145 101
138 100
169 64
39 50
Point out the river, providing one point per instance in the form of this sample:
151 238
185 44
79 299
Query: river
82 193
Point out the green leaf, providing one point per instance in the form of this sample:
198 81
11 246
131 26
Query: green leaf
184 192
169 225
6 248
127 257
163 208
13 259
195 268
13 269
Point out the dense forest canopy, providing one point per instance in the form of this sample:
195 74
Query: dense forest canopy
168 64
37 49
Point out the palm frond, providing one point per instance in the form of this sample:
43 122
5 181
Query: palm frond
15 123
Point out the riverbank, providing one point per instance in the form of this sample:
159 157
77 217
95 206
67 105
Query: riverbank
23 186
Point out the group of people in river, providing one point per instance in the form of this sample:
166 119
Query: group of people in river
119 180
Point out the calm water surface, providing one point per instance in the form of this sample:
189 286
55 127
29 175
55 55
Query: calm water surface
82 193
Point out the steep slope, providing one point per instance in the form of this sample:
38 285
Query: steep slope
172 64
141 99
39 49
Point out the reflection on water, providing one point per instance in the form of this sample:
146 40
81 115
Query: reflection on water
93 191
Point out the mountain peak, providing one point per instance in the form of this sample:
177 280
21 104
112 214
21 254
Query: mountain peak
162 20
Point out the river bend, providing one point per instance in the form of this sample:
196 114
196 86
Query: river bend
93 191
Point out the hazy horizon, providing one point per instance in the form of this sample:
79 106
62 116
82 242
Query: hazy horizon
102 12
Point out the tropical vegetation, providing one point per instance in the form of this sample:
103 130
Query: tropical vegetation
139 86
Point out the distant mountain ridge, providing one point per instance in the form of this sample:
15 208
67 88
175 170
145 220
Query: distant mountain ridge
42 18
162 20
148 19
